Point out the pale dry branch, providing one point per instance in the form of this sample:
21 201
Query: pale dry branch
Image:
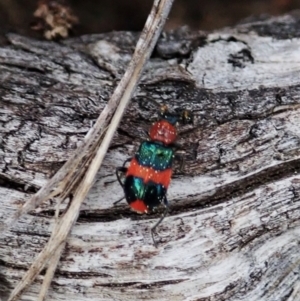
53 262
52 265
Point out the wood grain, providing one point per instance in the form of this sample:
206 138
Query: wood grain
233 229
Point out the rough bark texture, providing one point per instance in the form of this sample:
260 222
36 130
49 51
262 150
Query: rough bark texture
233 232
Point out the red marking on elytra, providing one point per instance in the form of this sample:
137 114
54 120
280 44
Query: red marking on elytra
139 206
149 174
163 131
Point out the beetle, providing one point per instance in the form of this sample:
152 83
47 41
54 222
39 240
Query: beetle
148 175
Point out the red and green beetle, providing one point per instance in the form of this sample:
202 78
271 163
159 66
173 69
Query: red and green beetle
148 175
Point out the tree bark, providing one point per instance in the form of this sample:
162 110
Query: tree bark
233 231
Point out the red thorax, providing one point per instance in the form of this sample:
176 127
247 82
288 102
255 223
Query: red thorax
163 131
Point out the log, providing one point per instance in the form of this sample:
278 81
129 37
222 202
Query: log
233 228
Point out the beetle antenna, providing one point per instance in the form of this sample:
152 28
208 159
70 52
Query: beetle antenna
153 229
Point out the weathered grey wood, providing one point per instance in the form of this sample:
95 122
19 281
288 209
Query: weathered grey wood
233 230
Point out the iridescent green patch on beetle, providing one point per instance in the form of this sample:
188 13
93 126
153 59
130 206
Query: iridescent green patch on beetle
155 155
151 193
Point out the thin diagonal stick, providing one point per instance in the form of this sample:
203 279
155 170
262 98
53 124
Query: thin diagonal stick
52 265
53 261
124 91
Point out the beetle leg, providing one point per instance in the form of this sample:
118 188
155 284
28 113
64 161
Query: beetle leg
127 160
176 146
119 170
118 201
122 170
153 229
181 159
